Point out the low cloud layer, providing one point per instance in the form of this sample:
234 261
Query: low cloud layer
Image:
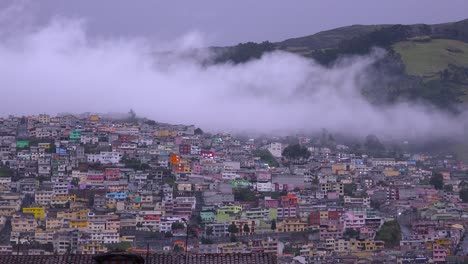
58 68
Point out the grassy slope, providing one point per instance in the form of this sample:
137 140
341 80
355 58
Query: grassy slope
427 58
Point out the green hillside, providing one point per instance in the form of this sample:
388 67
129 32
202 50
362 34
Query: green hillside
427 59
426 63
329 38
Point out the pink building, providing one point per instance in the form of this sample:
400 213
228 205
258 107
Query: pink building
196 168
263 176
112 174
271 203
95 179
352 220
439 253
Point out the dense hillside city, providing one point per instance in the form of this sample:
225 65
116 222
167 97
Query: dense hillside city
89 184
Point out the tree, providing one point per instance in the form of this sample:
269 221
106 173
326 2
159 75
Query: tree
464 195
150 122
246 228
198 131
351 233
233 238
448 188
168 234
177 225
382 183
245 195
118 247
206 241
437 180
209 231
132 115
373 145
463 185
296 152
178 248
390 233
290 250
232 228
349 189
273 225
244 52
75 181
375 204
266 157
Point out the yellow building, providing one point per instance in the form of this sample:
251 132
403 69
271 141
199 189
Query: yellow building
292 225
365 245
78 223
184 186
62 199
54 223
391 172
165 133
38 212
44 145
93 248
22 224
78 214
230 209
127 238
94 118
338 168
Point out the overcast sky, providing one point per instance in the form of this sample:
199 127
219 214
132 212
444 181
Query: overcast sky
230 22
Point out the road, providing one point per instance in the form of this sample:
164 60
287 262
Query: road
463 245
404 220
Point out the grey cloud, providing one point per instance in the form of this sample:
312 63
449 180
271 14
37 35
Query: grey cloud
58 68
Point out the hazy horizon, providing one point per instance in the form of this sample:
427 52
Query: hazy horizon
228 23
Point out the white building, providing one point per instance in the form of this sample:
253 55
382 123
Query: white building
264 186
105 157
275 149
383 162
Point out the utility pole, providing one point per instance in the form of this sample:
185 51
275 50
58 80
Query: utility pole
186 239
18 245
147 252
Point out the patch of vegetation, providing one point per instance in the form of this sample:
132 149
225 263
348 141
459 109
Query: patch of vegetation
232 228
349 189
296 152
292 251
135 164
437 180
244 52
464 195
266 157
5 172
427 59
122 246
198 131
351 233
206 241
245 195
390 233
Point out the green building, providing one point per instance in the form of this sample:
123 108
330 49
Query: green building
240 184
75 136
22 144
207 217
